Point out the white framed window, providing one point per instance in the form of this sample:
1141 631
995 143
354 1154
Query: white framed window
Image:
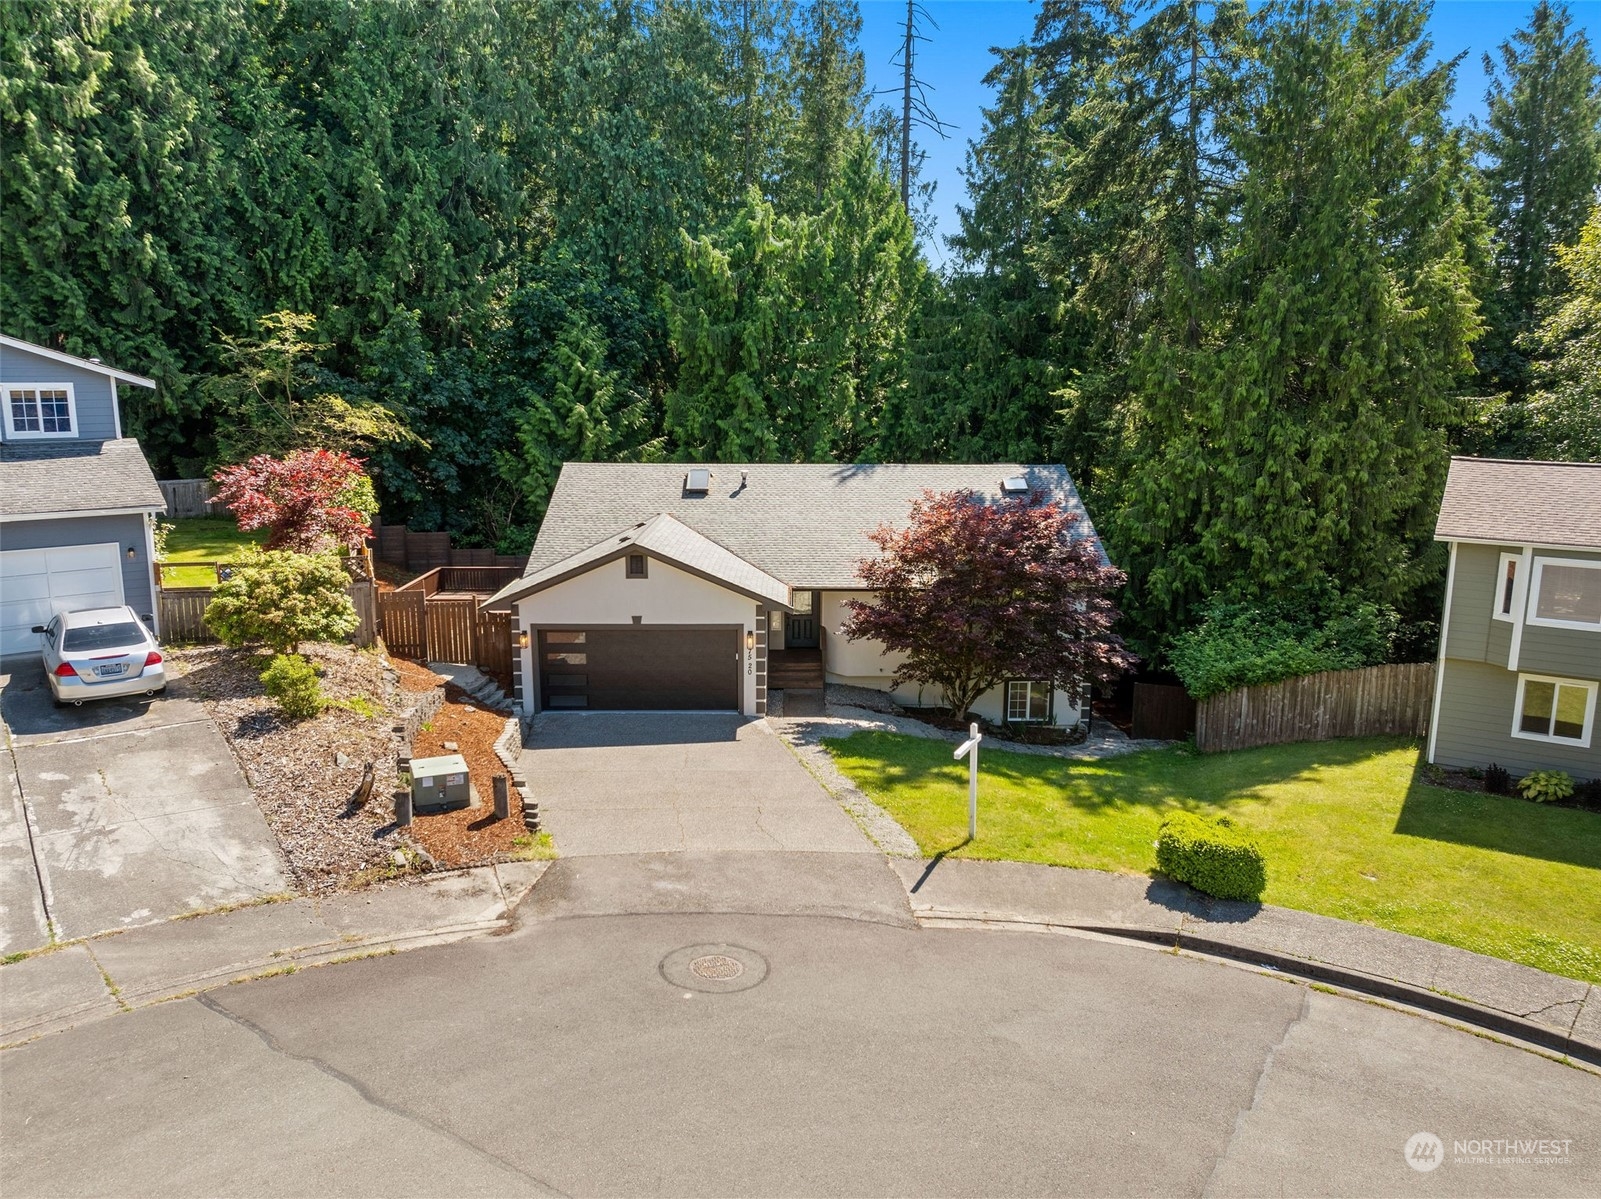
1566 594
1026 700
41 410
1507 593
1554 709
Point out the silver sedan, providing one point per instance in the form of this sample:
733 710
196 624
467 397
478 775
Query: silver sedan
100 653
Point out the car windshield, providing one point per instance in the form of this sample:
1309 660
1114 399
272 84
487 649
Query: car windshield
104 636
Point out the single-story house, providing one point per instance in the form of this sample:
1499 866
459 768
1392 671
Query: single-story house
78 501
1520 643
661 586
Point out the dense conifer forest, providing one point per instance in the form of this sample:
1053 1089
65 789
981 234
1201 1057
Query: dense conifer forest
1233 264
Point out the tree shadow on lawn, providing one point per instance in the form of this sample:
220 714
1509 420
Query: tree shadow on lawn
1154 779
1506 824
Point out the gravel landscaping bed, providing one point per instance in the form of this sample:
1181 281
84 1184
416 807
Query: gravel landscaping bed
304 773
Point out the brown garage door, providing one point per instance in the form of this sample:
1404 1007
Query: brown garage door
670 668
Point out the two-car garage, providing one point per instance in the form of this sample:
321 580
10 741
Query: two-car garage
641 668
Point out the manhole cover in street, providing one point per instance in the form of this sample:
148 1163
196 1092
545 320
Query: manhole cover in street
716 969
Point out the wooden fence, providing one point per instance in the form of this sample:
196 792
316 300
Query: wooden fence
445 630
183 613
400 546
1162 712
187 497
1374 701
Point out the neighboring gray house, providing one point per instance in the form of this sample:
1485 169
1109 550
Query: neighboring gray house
77 499
656 586
1520 645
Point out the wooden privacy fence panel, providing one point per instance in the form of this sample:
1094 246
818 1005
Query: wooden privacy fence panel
183 614
1374 701
399 546
187 497
1162 712
493 646
403 621
451 625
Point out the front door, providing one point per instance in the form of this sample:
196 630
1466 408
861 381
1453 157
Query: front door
800 627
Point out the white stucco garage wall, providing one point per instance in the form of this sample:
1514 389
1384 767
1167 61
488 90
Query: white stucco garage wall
865 664
606 596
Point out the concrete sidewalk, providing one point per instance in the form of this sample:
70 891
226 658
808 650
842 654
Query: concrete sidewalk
1561 1014
119 971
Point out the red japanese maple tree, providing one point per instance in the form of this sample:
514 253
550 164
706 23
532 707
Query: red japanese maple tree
310 501
976 593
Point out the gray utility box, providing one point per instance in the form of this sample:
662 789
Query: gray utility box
440 783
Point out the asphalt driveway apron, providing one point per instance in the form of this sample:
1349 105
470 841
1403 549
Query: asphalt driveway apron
637 783
119 813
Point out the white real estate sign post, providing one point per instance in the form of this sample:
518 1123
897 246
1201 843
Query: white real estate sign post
970 748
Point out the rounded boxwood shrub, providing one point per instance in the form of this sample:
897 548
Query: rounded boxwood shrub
1211 855
291 683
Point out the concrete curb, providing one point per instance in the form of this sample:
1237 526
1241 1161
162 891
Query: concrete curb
109 997
1375 986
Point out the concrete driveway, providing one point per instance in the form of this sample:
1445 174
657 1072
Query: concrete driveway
655 782
119 813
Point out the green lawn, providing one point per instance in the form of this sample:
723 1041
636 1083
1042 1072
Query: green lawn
1348 831
203 539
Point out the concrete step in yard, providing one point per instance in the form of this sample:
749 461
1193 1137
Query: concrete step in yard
483 689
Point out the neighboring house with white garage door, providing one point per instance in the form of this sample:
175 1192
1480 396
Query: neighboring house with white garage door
661 586
1520 646
78 501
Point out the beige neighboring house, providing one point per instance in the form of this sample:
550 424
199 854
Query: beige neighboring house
1520 645
662 586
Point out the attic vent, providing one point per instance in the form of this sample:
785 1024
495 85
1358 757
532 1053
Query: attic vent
1014 485
698 481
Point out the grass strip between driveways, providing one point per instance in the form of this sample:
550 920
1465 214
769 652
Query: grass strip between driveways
1348 827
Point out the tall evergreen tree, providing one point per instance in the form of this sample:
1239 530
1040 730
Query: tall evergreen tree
1543 144
828 76
1300 434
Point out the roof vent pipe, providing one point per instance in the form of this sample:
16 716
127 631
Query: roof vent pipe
744 478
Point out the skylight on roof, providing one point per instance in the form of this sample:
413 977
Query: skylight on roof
1014 485
698 481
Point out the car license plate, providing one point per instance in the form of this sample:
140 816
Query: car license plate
113 671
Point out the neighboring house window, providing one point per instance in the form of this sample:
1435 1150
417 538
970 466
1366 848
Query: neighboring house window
40 410
636 566
1027 701
1552 709
1567 593
1506 588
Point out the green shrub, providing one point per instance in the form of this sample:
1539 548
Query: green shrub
1545 786
291 683
1212 856
279 599
1497 780
1241 643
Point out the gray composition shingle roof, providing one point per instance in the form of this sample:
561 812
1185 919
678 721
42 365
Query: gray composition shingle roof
805 525
665 538
1522 503
75 476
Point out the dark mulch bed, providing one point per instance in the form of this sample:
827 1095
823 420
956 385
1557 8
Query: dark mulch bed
468 836
1586 796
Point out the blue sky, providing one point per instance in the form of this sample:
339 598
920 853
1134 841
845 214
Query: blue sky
957 59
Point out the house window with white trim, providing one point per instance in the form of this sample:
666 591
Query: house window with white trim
1567 593
1026 700
41 410
1506 587
1554 709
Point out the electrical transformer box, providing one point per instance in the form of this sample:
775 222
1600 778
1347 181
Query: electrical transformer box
440 783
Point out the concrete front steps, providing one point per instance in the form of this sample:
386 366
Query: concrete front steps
483 689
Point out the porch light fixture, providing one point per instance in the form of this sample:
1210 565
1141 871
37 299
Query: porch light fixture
132 553
522 639
750 639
